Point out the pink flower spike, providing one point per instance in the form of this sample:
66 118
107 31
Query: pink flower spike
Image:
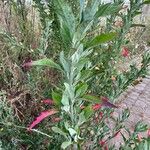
148 132
56 119
96 107
125 52
42 116
27 65
48 101
139 137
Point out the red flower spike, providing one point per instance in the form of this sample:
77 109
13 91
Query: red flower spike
42 116
48 101
125 52
96 107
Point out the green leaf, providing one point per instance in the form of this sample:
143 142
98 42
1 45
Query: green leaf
138 25
46 62
88 112
85 74
65 15
65 34
125 114
94 7
59 131
70 90
56 98
137 13
140 127
72 132
107 9
81 90
82 4
91 10
103 38
146 2
64 63
65 99
82 118
91 98
65 144
88 27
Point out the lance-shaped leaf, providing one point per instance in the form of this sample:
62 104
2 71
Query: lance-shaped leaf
65 15
56 98
91 10
88 112
59 131
146 2
82 4
65 144
91 98
43 62
104 101
99 39
42 116
107 9
81 90
138 25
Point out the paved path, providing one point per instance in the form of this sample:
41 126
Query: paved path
137 99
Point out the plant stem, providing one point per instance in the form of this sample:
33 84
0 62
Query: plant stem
21 127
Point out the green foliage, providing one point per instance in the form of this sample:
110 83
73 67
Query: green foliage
45 62
103 38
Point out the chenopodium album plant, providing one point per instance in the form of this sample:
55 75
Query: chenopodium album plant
81 115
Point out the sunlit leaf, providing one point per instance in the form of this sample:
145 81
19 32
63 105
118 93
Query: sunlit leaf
88 112
56 98
43 62
146 2
107 9
66 144
59 131
81 90
91 98
99 39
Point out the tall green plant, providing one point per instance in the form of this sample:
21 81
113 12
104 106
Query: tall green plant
76 70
